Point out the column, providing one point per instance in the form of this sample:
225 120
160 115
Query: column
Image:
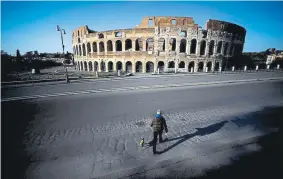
204 66
123 65
155 65
114 66
98 48
114 46
165 65
87 64
106 66
144 45
133 45
223 47
144 66
105 47
133 67
123 45
196 67
198 49
215 48
207 49
178 46
228 49
99 66
186 65
188 47
212 65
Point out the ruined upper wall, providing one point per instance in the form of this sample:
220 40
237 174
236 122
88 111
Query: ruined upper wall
162 21
217 25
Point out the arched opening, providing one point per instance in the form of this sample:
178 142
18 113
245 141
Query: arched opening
95 66
88 48
200 67
84 50
193 46
101 47
191 65
94 47
118 45
219 47
128 45
161 43
171 64
211 47
209 65
225 48
109 46
119 65
202 47
216 66
160 65
102 66
183 46
149 44
138 44
182 64
85 66
110 66
128 67
80 50
173 44
149 67
138 67
81 66
90 66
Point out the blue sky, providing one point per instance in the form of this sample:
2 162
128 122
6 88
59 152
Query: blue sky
30 26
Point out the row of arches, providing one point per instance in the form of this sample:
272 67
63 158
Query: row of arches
138 67
83 49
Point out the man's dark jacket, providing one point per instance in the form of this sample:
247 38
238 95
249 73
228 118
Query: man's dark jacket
158 124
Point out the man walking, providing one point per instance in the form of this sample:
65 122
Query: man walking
158 124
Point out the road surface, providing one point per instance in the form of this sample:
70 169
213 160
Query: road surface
97 135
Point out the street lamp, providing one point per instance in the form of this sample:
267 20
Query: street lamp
63 47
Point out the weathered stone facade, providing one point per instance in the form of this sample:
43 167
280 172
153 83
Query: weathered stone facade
167 43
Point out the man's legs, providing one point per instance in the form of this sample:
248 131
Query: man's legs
160 136
154 142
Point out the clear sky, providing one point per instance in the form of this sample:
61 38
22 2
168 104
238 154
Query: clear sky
31 26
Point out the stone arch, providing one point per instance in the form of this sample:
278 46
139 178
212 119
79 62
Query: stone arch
95 66
101 47
149 44
200 66
225 48
182 64
162 44
110 66
217 65
138 66
219 47
193 46
94 47
82 66
128 44
209 65
138 44
109 46
191 65
183 46
84 50
119 65
202 47
102 66
85 66
118 45
171 64
173 44
88 48
161 65
211 47
90 66
129 67
149 67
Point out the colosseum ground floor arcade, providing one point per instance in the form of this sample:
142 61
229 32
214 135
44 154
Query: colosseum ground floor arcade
147 66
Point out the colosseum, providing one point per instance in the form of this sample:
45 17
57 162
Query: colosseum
161 44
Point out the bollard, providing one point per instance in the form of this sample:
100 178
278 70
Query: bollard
220 69
176 70
233 68
278 67
192 70
119 73
245 68
157 70
206 69
96 74
256 68
267 67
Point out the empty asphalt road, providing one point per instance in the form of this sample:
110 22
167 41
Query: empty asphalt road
91 135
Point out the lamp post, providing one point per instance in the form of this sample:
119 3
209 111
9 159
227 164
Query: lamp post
63 47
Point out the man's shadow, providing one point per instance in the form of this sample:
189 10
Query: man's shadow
200 132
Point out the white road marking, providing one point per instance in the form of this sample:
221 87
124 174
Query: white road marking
131 88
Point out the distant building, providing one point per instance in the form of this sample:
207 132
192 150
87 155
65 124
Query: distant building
273 57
